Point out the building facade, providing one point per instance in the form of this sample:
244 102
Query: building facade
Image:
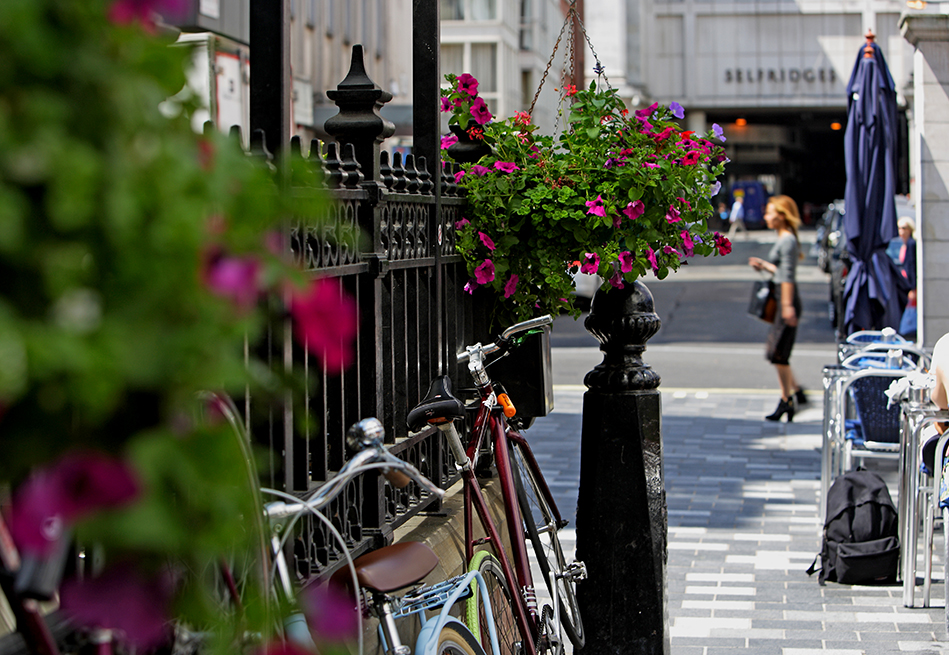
772 73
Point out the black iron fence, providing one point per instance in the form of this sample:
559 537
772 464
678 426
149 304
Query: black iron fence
388 240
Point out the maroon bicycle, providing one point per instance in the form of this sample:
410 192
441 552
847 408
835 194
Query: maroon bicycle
528 505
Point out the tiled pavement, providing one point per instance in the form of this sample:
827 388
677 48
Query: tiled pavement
744 527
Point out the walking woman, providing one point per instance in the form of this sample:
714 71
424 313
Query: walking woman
782 216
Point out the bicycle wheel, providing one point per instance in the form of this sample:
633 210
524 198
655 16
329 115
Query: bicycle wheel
499 592
454 639
540 527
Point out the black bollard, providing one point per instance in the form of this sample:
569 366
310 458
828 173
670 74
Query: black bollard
621 509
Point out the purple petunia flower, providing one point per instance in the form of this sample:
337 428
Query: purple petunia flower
480 170
591 263
715 189
718 132
468 83
484 273
510 286
448 141
506 166
486 240
596 207
626 261
677 110
479 111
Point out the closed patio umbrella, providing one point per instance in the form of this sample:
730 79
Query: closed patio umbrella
874 294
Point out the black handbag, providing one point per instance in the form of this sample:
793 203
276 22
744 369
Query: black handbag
764 304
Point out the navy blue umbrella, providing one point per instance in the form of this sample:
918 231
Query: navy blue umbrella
874 294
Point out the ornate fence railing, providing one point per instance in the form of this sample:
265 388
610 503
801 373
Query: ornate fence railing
387 239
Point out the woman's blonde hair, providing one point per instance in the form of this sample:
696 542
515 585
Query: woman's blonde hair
787 208
908 223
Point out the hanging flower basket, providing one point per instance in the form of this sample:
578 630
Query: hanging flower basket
617 194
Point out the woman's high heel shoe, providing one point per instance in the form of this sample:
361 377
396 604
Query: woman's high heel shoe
800 396
786 406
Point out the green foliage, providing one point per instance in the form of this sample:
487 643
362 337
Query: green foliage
550 205
109 213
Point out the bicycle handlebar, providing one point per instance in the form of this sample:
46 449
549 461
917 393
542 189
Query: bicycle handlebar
367 434
505 337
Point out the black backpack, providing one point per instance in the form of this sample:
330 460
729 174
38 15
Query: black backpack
860 543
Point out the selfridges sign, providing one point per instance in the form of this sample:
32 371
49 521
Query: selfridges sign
779 75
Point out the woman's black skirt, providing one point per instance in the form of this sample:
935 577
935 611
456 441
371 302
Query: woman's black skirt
781 336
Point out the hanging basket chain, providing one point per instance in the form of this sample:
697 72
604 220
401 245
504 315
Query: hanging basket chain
553 54
599 69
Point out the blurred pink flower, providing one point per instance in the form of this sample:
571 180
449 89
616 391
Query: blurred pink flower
617 280
77 485
626 261
460 224
122 599
234 278
722 243
506 166
330 612
510 286
471 285
480 170
485 272
647 112
449 139
125 12
672 216
446 106
325 321
460 174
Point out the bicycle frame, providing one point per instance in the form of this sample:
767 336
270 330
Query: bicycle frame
488 424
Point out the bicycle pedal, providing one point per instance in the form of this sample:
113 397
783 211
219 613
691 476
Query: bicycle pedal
575 570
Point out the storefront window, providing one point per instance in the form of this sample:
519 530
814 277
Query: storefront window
484 66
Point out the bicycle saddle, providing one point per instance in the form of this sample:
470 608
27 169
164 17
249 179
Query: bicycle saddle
438 406
391 568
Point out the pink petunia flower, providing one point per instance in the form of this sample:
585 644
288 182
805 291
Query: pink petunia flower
649 164
506 166
617 280
458 175
325 321
468 83
510 286
591 263
330 612
722 243
126 12
484 273
77 485
596 207
672 216
234 278
460 224
446 104
486 240
479 111
669 250
665 134
651 256
691 158
626 261
124 600
471 285
634 210
448 141
687 243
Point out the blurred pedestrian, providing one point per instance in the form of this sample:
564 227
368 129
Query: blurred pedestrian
723 215
781 215
907 264
737 217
